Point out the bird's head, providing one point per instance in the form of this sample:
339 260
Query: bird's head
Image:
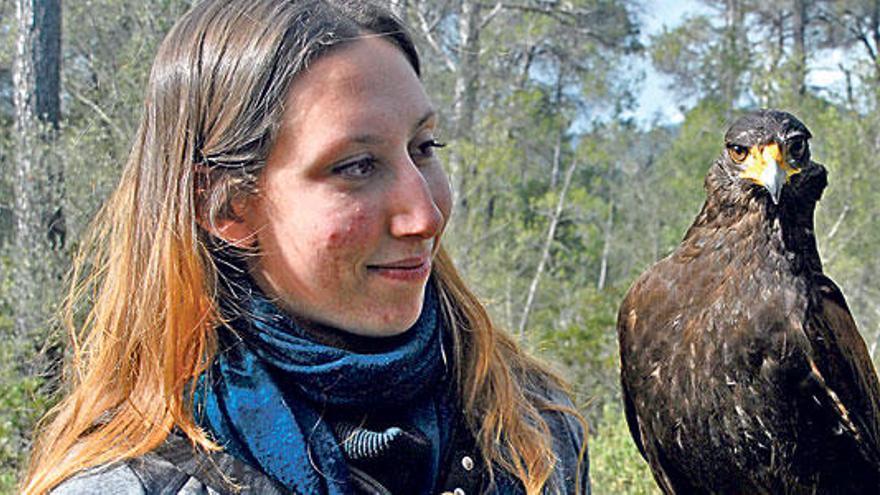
767 148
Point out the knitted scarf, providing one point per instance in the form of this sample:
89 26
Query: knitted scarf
270 387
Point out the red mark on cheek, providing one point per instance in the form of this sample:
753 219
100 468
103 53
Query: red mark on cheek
335 238
346 231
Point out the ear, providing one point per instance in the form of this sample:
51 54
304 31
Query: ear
234 231
231 226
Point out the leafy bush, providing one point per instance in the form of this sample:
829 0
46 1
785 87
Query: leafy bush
20 407
615 464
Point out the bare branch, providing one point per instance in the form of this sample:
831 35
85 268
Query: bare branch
567 14
606 247
838 222
117 131
491 15
856 29
427 31
545 252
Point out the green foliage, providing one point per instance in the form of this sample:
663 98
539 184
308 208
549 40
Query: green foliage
683 166
615 464
684 52
705 59
22 402
578 335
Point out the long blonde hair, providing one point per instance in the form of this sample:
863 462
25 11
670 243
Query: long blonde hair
147 279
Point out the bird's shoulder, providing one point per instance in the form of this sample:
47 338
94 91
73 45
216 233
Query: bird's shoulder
652 280
656 295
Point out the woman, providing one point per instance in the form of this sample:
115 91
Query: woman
273 311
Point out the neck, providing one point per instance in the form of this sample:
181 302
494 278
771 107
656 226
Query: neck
742 219
341 339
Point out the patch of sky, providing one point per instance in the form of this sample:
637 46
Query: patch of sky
657 103
654 101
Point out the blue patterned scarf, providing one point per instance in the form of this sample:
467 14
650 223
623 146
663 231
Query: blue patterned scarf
270 385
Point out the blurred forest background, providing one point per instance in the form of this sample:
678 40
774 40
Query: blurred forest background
563 195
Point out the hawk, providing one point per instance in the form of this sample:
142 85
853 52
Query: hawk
742 368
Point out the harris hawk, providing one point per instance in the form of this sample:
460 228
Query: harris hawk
741 365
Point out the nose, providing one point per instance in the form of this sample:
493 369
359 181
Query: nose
414 209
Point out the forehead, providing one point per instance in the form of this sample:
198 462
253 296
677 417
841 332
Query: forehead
366 82
764 126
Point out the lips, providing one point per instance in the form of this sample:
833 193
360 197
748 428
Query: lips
407 269
407 263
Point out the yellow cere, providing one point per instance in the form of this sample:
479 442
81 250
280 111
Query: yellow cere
762 156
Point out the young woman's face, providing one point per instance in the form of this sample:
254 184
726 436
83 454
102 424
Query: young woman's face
352 200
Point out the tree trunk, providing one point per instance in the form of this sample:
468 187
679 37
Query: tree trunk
557 147
47 89
47 61
466 86
606 247
799 52
38 185
875 36
730 76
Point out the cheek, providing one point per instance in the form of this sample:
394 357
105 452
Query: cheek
345 235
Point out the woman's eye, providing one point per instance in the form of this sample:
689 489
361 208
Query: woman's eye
356 169
426 149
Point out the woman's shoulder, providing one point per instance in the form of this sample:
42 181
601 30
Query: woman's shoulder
116 478
175 467
556 407
568 431
141 476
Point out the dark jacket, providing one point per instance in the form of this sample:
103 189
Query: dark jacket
175 468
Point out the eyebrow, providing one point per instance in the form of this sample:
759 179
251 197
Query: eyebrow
430 114
798 133
367 138
374 139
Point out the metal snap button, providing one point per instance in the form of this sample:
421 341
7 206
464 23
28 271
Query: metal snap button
467 463
458 491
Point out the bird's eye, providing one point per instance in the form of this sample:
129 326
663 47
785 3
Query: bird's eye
737 153
797 148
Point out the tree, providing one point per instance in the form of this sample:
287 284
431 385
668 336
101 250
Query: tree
530 40
706 58
38 186
854 23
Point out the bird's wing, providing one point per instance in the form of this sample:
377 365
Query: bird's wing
626 319
843 364
630 327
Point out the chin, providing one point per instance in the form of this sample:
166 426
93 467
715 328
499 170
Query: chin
390 323
393 328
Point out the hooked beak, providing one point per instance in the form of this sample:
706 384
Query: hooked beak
766 166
